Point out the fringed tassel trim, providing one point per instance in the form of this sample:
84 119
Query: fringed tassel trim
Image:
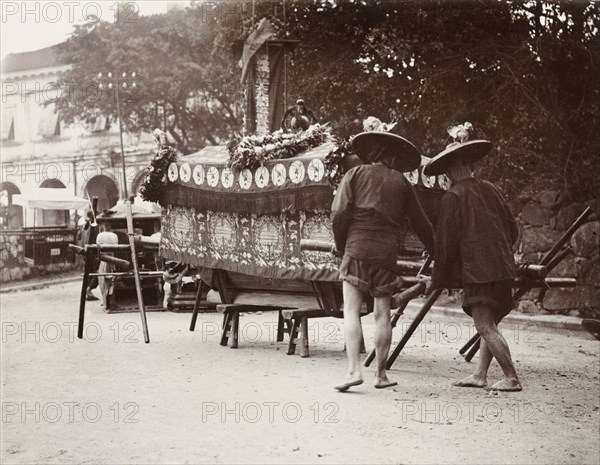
302 198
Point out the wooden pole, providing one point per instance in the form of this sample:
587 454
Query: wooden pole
426 307
136 273
405 297
86 271
121 137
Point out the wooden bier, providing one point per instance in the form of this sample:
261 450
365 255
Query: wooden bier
244 231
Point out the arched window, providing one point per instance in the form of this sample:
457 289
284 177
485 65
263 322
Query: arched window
52 217
105 189
11 216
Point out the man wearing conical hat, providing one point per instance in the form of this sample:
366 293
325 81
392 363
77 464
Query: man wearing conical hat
370 215
473 250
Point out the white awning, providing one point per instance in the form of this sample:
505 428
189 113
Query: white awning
139 207
50 199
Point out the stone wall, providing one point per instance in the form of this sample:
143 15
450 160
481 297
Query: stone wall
15 267
12 258
543 218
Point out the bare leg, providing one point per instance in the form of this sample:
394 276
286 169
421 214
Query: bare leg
479 378
353 299
383 340
486 323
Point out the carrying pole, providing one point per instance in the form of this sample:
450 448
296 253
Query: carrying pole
405 297
136 273
130 231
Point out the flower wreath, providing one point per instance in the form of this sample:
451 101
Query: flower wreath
253 151
156 178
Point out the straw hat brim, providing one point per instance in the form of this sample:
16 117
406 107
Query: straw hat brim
468 152
399 153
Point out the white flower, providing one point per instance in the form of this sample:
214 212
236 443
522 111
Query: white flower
372 124
270 147
461 132
375 124
453 131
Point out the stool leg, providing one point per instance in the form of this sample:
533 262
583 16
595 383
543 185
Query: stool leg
235 329
288 327
293 336
280 323
226 328
197 305
84 285
304 331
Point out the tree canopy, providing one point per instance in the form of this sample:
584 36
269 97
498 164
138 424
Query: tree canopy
526 74
179 75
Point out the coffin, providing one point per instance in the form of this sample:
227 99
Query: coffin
252 221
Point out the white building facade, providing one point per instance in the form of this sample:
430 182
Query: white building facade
39 150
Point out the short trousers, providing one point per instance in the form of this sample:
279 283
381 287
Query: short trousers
496 295
368 277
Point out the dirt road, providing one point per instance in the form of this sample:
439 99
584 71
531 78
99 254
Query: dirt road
110 398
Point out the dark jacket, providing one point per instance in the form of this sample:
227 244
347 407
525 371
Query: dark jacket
371 213
474 236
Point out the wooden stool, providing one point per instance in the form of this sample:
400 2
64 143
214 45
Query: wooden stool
299 328
231 320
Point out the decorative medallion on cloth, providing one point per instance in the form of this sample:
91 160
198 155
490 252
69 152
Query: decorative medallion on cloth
250 221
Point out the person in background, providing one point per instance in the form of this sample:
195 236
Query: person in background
88 236
300 117
371 213
473 250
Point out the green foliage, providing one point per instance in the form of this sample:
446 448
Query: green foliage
179 71
526 74
156 177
